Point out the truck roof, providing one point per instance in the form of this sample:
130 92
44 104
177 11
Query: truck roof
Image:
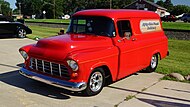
117 13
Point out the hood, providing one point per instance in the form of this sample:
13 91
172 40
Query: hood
59 47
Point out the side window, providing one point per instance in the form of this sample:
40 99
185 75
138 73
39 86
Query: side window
79 25
124 28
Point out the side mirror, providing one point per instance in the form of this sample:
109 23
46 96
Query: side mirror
61 32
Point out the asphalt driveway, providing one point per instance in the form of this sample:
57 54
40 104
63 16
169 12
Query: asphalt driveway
138 90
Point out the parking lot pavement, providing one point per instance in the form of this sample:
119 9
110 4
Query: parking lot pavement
19 91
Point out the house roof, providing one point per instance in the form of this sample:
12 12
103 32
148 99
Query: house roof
151 3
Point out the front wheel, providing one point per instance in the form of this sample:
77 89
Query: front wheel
95 82
21 33
153 63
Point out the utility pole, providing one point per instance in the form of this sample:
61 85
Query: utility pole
52 4
110 4
0 9
54 9
19 5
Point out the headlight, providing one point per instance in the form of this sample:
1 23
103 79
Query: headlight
73 65
24 55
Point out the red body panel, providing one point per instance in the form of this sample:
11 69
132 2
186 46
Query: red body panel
90 51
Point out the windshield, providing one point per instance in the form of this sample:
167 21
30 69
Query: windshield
92 25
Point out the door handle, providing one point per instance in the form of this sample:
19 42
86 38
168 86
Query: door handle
119 40
134 39
123 39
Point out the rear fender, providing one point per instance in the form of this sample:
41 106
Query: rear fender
28 30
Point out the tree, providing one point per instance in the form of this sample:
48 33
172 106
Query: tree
180 9
16 11
168 5
120 4
5 8
29 7
160 3
151 0
59 7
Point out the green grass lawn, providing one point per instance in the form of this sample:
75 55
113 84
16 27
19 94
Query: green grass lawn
176 25
178 60
42 32
49 20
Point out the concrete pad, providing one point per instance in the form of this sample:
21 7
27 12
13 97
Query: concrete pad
163 94
19 91
9 53
134 102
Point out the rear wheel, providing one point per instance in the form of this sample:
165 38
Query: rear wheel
95 82
153 63
185 20
21 33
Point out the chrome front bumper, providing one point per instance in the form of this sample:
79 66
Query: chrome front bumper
53 81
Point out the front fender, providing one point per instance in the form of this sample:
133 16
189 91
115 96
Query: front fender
90 59
26 48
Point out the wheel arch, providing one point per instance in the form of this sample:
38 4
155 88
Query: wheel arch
20 26
107 72
157 52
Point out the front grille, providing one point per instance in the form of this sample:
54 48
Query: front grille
49 68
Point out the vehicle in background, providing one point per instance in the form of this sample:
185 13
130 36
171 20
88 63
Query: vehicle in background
8 27
179 16
169 18
186 18
65 17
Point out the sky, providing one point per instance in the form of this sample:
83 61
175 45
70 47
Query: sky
175 2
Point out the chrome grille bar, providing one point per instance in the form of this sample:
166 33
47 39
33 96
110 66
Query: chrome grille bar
43 65
36 64
49 68
60 70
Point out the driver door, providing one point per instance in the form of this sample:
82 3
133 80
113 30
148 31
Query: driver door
128 57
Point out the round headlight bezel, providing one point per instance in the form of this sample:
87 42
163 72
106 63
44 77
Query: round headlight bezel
73 65
24 54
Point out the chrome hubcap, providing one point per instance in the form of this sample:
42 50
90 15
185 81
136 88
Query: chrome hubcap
154 61
21 33
96 81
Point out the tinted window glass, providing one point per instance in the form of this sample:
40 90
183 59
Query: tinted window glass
3 19
124 27
92 25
